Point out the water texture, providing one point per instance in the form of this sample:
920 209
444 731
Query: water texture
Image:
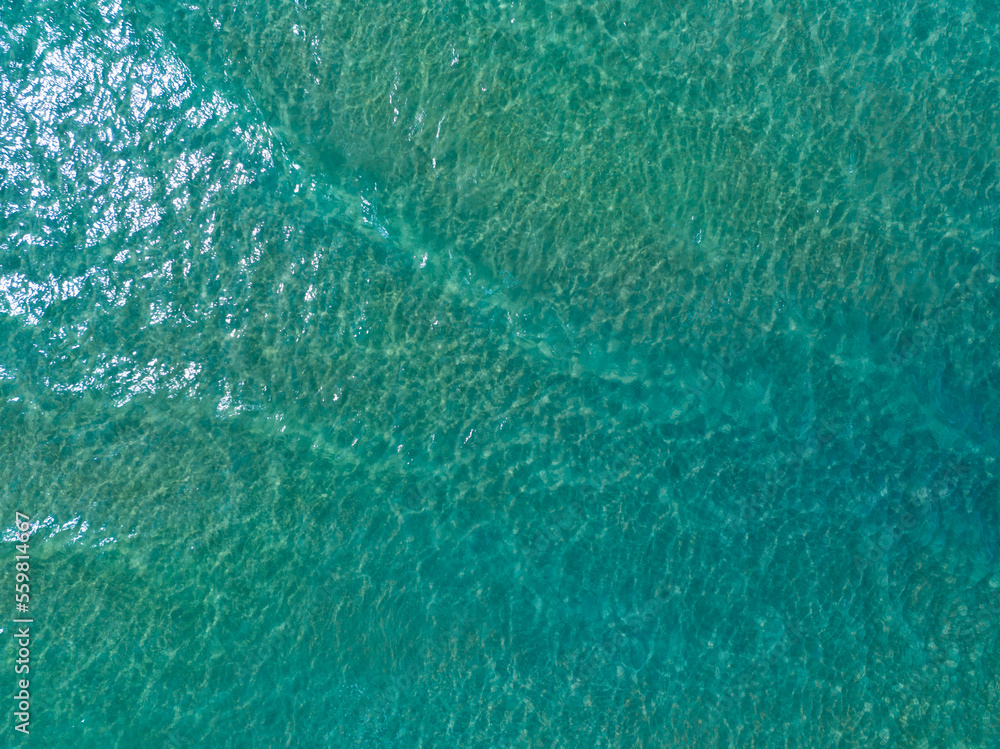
503 375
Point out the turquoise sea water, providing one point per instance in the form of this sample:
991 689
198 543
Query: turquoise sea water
446 374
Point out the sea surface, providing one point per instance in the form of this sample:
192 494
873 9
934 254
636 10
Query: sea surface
502 374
